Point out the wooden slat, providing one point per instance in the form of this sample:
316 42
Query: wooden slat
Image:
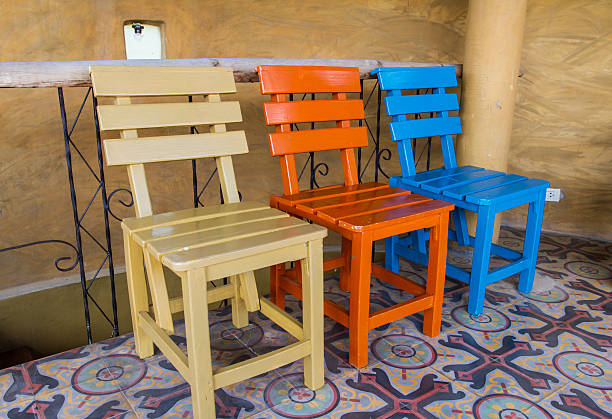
221 234
219 293
308 79
266 255
397 280
154 115
322 193
348 199
511 191
398 311
440 185
427 127
336 312
419 178
180 147
369 207
459 192
281 318
372 221
188 215
243 247
293 142
166 345
416 77
158 81
226 376
312 111
405 104
232 219
333 263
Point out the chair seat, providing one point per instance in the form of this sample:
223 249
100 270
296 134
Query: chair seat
472 184
359 207
203 236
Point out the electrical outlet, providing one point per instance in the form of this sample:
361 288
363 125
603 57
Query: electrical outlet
553 194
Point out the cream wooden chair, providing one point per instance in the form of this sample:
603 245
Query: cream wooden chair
208 243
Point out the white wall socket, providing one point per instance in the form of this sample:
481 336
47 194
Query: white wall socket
553 195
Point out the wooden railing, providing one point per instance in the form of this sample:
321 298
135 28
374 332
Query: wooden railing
76 73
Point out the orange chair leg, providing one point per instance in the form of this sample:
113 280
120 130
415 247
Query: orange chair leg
277 294
435 276
345 271
361 268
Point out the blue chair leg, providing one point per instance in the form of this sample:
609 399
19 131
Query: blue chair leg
532 242
418 238
391 257
480 259
460 222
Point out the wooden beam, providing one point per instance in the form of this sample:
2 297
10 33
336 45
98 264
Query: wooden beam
76 73
244 370
281 318
166 345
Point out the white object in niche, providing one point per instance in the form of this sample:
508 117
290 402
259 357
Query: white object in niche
143 41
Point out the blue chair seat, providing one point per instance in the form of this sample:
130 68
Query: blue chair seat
486 192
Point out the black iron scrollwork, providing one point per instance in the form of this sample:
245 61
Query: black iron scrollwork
59 260
122 202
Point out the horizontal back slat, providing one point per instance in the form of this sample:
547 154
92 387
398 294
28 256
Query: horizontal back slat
161 81
428 127
179 147
416 77
308 79
282 143
312 111
153 115
405 104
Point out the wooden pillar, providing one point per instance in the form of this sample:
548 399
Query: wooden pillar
493 44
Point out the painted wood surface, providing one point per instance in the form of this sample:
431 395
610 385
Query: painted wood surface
360 213
492 199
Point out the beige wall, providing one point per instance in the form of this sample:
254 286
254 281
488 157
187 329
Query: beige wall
561 130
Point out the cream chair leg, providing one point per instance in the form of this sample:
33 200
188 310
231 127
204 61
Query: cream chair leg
159 293
195 298
137 291
312 300
240 315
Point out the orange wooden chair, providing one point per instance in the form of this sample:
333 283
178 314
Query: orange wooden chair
361 213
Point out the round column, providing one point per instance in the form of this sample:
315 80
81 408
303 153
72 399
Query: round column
493 44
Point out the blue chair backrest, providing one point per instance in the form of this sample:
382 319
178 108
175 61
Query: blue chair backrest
431 99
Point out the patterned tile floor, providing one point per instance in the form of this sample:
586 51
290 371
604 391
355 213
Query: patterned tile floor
547 354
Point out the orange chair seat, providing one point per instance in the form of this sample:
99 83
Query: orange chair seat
360 207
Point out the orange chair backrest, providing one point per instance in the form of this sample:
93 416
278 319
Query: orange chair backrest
278 81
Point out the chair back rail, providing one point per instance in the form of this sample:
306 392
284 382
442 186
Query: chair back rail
123 83
438 102
278 81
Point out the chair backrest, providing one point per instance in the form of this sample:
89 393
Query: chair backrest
430 99
123 83
278 81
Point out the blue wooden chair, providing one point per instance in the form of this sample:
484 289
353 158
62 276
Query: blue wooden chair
485 192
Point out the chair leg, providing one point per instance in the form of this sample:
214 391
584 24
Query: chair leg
240 315
532 242
159 293
198 343
359 313
391 257
277 295
436 269
460 222
312 302
480 259
418 241
345 271
137 292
